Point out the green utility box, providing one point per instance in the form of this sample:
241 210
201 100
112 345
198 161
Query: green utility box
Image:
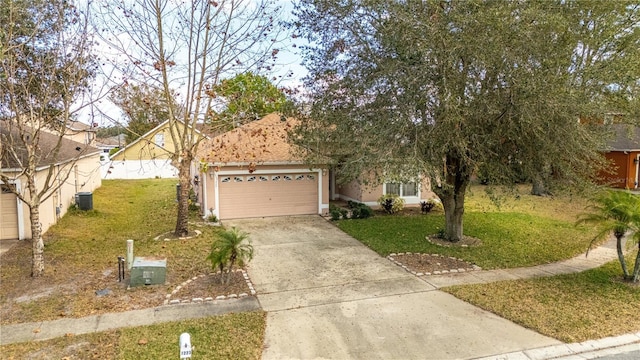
148 271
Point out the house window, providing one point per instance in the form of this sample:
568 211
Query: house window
159 139
402 189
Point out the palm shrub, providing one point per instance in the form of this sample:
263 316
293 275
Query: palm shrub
228 250
617 212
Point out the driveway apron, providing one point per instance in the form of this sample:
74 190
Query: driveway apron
330 297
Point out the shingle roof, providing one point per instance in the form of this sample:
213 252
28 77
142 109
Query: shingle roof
68 150
261 141
626 138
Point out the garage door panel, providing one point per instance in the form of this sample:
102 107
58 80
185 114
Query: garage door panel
8 216
278 197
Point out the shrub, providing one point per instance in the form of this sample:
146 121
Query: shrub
228 250
359 210
427 206
391 203
334 211
212 218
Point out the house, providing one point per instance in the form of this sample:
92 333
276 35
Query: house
148 157
623 152
109 143
77 159
253 171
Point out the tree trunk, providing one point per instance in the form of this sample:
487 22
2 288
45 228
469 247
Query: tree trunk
37 243
184 176
621 257
452 194
538 188
636 269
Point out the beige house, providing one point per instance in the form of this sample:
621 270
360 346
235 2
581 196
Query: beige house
147 157
253 171
413 192
77 160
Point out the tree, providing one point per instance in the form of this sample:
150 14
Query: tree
144 106
188 47
230 248
47 65
248 97
617 212
444 88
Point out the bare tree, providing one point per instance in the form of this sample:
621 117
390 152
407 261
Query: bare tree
46 69
189 47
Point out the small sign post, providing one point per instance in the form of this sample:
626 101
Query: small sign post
185 346
129 254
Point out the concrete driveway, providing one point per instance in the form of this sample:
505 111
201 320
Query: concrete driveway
330 297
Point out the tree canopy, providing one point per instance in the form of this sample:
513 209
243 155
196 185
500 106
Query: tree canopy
446 88
247 97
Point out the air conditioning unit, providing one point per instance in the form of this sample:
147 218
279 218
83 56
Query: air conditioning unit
84 200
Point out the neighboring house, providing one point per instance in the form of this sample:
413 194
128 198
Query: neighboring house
79 132
147 157
253 171
107 144
84 176
623 152
413 192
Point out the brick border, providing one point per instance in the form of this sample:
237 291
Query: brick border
472 267
168 301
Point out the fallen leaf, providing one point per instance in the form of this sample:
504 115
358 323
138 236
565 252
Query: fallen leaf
35 331
69 334
142 342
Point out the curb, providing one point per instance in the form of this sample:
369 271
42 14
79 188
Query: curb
590 349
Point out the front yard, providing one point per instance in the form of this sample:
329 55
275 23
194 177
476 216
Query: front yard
525 231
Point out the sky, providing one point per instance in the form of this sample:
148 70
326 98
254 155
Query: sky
289 61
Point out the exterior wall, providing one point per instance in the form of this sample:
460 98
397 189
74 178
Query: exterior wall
147 149
623 172
138 169
83 177
369 194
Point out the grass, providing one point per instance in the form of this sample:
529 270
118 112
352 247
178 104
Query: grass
572 308
524 231
232 336
81 253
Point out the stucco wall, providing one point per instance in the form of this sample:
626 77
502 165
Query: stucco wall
83 177
147 148
623 172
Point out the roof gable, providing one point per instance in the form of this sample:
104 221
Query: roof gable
260 141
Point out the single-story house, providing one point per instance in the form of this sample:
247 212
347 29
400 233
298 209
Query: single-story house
623 152
109 143
253 171
148 157
80 161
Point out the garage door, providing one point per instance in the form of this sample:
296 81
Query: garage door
8 215
243 196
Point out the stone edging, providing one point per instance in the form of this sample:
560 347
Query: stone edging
198 233
441 272
167 300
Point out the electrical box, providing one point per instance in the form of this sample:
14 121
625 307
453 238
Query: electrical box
148 271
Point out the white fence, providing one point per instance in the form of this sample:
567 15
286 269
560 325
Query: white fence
138 169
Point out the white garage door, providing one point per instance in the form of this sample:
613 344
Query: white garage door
244 196
8 215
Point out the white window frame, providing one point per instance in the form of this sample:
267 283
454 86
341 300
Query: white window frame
415 199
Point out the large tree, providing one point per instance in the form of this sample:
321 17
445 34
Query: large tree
144 107
446 88
188 47
247 97
46 68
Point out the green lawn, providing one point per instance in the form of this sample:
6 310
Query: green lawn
526 230
232 336
572 308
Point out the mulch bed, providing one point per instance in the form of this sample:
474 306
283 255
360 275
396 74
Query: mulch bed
209 287
431 264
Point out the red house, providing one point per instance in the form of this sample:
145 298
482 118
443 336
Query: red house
623 152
